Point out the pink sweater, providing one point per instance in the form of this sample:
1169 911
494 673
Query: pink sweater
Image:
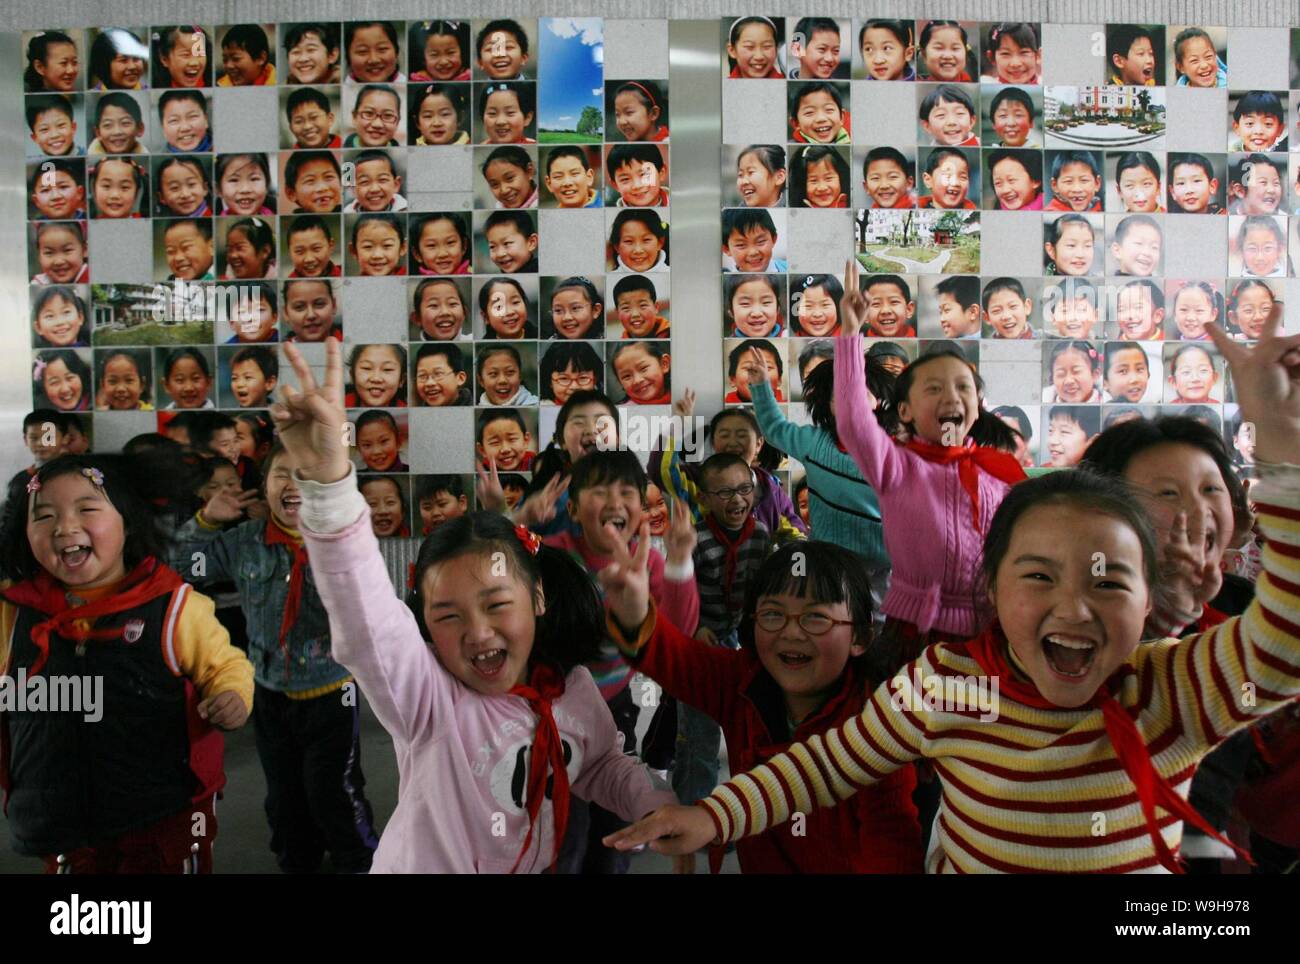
933 546
461 757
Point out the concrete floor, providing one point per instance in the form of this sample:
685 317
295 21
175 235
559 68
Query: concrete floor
243 837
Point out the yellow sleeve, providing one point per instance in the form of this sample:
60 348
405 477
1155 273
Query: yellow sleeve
196 645
8 615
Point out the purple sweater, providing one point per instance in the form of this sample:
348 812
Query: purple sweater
459 753
932 543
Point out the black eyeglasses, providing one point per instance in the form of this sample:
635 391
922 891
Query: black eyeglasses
814 624
726 495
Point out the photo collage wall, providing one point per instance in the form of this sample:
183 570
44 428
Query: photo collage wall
201 194
1067 205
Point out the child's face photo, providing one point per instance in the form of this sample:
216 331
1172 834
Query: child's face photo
656 510
1253 310
318 188
507 311
437 119
384 497
949 182
441 312
184 124
186 384
1012 122
818 315
634 119
822 185
499 378
376 118
1258 132
189 253
1260 189
1074 317
63 386
755 309
309 310
1199 63
1193 377
125 71
311 126
1139 66
1139 252
887 183
1128 375
249 385
819 55
378 445
59 322
889 313
240 67
510 184
509 250
504 120
186 61
1016 64
182 189
565 383
570 181
1066 441
54 132
758 187
885 56
115 188
372 56
441 249
1008 313
121 385
1076 185
1261 251
1193 310
254 320
505 443
572 313
58 195
1073 377
501 57
436 382
1013 185
945 54
442 58
1073 252
642 375
956 321
311 251
1139 190
243 187
1136 314
310 61
637 313
224 443
1191 188
752 250
60 70
375 184
639 184
440 507
61 252
754 50
740 380
818 117
118 131
638 247
377 376
949 123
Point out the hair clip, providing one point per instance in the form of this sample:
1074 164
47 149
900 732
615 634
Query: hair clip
764 19
38 369
95 475
33 484
528 539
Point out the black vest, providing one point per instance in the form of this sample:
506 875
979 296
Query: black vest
75 783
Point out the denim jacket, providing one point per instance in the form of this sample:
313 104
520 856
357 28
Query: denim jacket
261 574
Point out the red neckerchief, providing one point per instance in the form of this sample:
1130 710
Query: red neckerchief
148 580
733 550
972 458
276 536
545 686
989 651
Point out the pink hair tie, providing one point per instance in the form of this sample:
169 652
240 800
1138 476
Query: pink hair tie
33 484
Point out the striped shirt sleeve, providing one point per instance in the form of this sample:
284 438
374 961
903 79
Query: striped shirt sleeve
822 770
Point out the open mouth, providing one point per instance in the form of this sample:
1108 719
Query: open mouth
1069 657
489 663
619 522
794 660
74 557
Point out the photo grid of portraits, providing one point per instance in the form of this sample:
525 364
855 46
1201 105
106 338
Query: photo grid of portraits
318 207
918 129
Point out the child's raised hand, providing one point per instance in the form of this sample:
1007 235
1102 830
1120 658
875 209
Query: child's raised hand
1267 380
756 372
684 407
670 830
626 580
854 304
224 507
310 419
225 710
539 508
491 496
680 538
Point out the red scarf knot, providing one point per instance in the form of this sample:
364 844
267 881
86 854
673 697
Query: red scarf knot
733 551
545 685
971 458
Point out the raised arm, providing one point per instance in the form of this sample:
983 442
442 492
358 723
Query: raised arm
797 441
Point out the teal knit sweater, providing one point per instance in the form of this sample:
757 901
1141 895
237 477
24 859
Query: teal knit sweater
843 508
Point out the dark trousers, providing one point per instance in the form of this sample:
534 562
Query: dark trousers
165 847
315 791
